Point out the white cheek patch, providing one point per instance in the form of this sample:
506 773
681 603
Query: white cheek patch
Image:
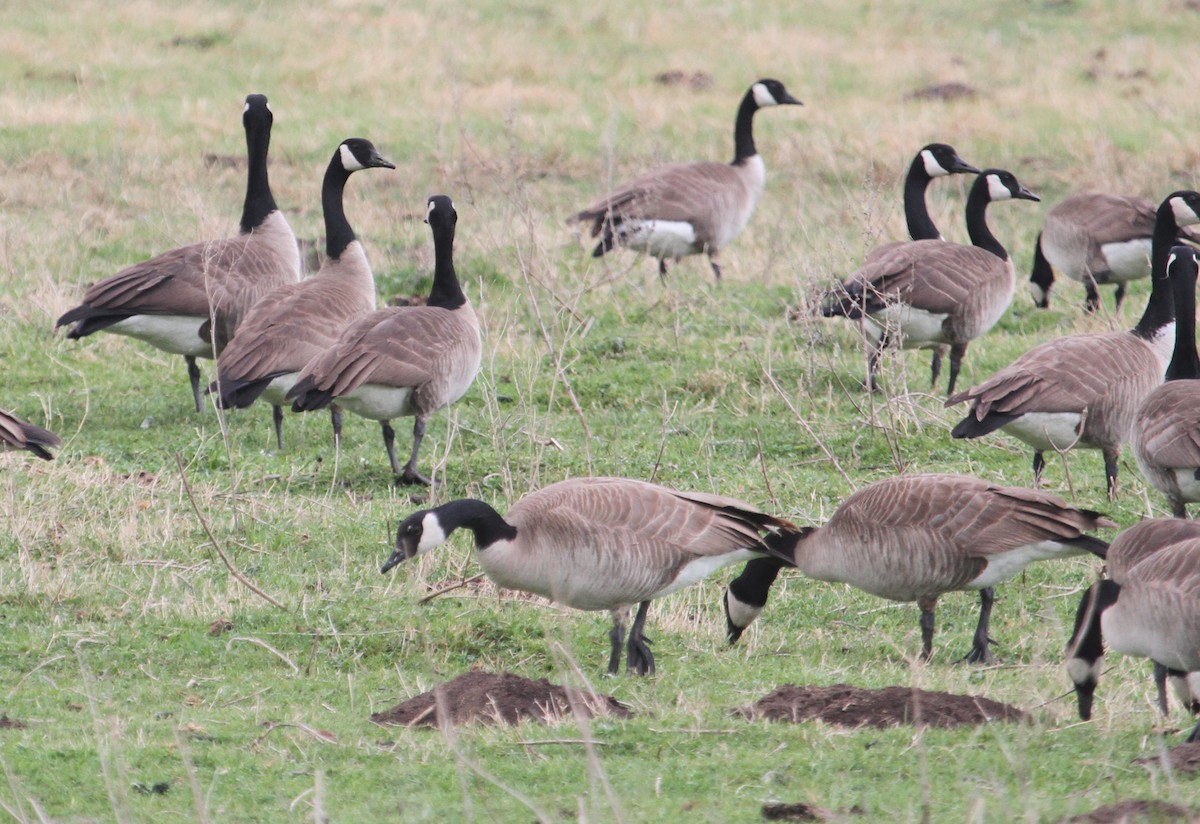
997 190
349 161
432 534
1081 672
1037 292
762 96
246 108
1185 215
1171 260
429 211
932 167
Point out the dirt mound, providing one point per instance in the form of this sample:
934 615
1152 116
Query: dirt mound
1134 811
1183 758
492 698
849 706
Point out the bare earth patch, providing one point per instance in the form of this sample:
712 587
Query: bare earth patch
1134 811
7 723
492 698
1183 758
848 706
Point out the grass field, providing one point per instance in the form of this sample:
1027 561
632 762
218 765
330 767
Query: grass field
122 138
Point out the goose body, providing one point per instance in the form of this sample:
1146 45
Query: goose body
300 321
1165 437
17 435
916 537
402 361
190 301
1151 610
929 294
602 544
1084 391
685 209
1095 238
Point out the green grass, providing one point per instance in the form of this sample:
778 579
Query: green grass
109 582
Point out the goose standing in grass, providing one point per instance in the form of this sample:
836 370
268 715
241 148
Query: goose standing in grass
16 435
688 208
931 162
1166 430
603 544
399 361
1093 238
300 321
930 294
1152 611
917 537
190 301
1084 391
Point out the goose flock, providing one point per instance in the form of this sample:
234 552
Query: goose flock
616 544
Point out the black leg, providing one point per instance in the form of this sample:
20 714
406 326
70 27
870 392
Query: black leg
873 356
662 269
927 605
1160 687
641 660
1093 297
1178 507
410 475
194 377
956 358
1120 293
389 443
1039 463
335 418
1110 472
277 420
935 366
979 647
712 261
617 636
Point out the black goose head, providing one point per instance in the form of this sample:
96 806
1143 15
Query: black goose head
1002 185
257 112
940 159
416 535
440 213
768 92
357 153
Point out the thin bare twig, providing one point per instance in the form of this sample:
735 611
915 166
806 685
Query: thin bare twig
451 588
295 667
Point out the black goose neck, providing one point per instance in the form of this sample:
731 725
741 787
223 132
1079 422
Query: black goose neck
916 212
446 292
743 130
1185 361
1160 309
1087 642
977 227
259 201
338 234
479 517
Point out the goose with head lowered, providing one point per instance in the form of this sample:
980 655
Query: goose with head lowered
1095 238
300 321
1152 611
930 294
17 435
689 208
406 360
190 301
602 544
1166 429
1084 391
931 162
917 537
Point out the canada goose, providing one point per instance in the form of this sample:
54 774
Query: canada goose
1153 612
1132 546
1166 429
929 294
688 208
1095 237
16 434
301 320
602 543
1083 391
407 360
915 537
932 161
190 301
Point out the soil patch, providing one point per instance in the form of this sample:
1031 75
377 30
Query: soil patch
848 706
497 698
1184 758
7 723
1131 811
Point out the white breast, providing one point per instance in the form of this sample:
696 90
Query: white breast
177 334
1045 431
1189 487
660 238
704 566
1128 260
378 402
279 387
917 328
1004 565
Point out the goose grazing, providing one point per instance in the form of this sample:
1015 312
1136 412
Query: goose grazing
190 301
16 435
916 537
930 294
1166 428
688 208
410 360
1093 238
1084 391
1152 611
932 161
603 543
302 320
